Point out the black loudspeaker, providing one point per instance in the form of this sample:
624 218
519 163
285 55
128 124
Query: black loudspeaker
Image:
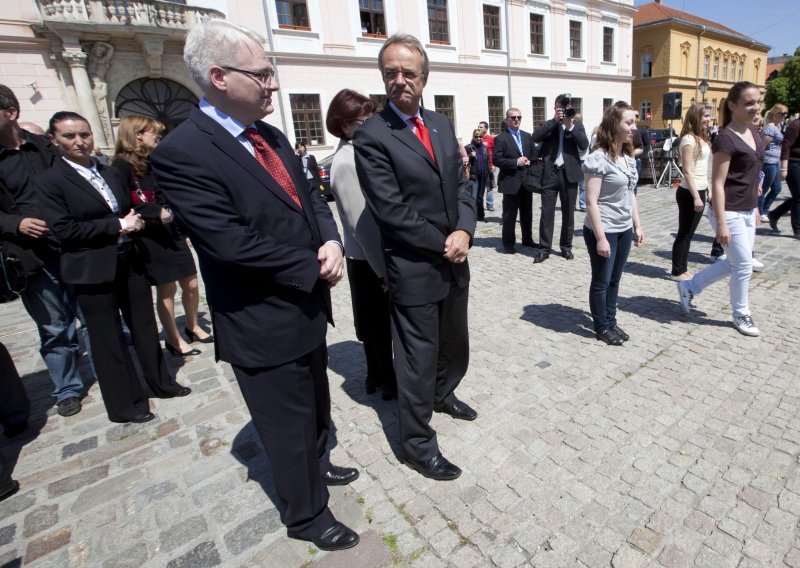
672 106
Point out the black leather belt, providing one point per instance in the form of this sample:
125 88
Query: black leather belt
126 247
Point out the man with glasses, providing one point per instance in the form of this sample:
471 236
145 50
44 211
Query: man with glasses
513 151
562 141
409 165
270 252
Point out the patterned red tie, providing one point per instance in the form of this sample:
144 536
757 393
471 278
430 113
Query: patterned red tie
423 135
271 162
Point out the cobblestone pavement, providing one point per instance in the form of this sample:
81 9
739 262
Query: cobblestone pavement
678 449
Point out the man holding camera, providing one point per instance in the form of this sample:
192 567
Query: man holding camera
562 141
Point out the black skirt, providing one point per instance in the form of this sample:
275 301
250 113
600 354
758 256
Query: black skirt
167 254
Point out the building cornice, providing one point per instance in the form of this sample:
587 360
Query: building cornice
727 36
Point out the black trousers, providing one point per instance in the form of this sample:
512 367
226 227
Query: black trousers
791 205
521 202
101 304
291 409
567 193
431 355
371 318
688 220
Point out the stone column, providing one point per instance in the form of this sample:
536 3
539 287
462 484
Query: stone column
65 78
76 59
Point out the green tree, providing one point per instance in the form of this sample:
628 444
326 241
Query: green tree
786 88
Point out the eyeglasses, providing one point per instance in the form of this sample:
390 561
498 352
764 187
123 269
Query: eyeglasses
781 112
515 117
391 75
263 76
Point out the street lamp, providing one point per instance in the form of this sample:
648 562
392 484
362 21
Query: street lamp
703 88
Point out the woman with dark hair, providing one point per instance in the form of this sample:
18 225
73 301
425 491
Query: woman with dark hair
166 252
789 172
89 210
366 270
612 216
733 209
695 149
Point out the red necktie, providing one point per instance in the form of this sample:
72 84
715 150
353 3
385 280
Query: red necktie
423 135
271 162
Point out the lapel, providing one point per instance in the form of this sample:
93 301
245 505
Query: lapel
513 142
120 193
72 175
404 134
232 148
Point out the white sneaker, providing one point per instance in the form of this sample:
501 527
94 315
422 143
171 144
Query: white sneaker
718 258
764 219
685 297
757 265
745 326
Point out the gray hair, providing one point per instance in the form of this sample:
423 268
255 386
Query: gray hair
214 42
410 42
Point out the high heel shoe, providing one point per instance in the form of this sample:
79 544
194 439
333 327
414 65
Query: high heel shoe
174 351
193 336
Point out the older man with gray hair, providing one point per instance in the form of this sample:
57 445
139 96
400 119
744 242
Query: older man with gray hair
269 253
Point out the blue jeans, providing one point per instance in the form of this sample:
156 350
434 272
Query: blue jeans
771 187
606 274
582 194
53 309
738 264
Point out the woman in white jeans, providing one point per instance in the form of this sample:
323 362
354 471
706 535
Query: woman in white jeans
733 212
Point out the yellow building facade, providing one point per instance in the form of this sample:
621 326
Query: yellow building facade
675 51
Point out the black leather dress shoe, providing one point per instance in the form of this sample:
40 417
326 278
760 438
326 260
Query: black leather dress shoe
567 254
457 409
609 337
182 391
435 468
145 417
540 256
338 537
370 386
619 331
340 475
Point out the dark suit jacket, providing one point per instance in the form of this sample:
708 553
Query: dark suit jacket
575 142
505 155
257 248
83 222
30 251
416 202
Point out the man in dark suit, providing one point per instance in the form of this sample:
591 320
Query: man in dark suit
562 141
513 151
269 251
25 234
409 164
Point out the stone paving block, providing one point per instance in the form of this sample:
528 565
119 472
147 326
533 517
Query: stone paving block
48 543
276 554
629 557
69 450
133 557
77 481
645 540
204 555
40 519
252 531
708 558
7 534
182 533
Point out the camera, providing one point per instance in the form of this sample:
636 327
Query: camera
566 102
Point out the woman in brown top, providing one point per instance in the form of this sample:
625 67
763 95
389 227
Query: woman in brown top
790 173
733 211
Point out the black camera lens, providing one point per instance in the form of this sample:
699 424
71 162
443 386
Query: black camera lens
569 112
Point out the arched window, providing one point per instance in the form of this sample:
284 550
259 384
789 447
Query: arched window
162 99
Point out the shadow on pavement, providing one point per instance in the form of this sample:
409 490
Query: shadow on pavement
248 450
340 360
559 318
664 311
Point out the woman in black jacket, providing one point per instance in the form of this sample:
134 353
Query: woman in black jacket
89 210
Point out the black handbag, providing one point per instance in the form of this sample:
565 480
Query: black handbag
12 278
532 181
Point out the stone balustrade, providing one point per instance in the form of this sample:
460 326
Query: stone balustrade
150 13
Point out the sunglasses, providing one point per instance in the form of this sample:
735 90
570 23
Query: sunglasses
515 117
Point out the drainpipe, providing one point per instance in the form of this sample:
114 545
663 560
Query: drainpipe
508 56
281 110
697 78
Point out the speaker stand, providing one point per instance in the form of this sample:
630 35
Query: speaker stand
670 162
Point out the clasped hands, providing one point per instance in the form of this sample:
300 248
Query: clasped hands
132 222
456 247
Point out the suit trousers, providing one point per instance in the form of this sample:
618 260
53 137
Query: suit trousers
431 355
291 409
371 318
521 201
101 304
567 193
